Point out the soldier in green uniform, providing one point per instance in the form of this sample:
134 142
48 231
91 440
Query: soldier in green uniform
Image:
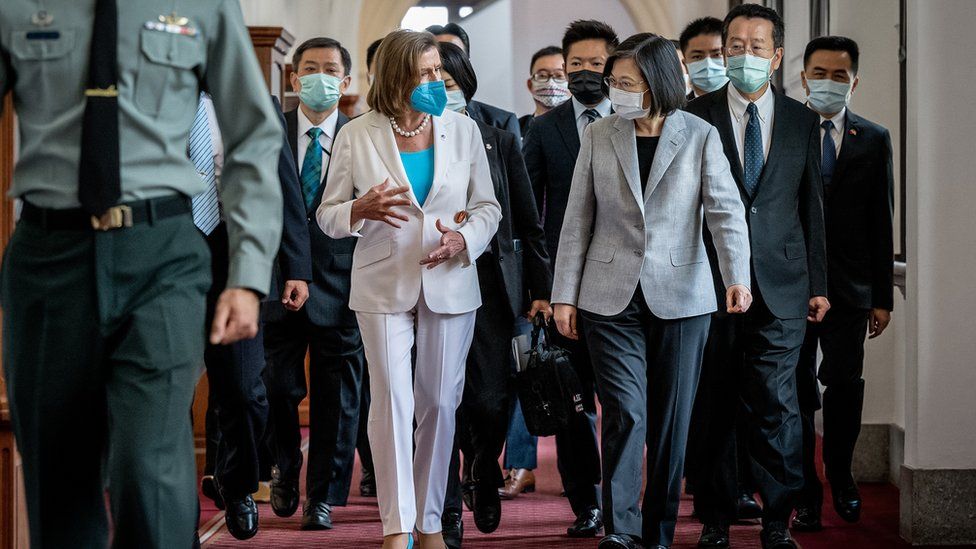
103 281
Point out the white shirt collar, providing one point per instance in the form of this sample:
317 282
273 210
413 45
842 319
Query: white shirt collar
839 119
328 126
738 103
603 108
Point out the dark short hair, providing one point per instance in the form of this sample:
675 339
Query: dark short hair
753 11
675 43
456 30
833 43
458 65
589 29
321 43
698 27
658 62
544 52
371 52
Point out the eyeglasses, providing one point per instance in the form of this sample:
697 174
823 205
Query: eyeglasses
543 77
736 50
625 85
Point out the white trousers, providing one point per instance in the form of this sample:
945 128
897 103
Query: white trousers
410 485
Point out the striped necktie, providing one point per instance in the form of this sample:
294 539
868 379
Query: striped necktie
592 115
205 206
312 167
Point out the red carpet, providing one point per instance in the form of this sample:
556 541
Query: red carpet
539 520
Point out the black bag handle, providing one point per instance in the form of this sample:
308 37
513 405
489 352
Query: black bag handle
539 324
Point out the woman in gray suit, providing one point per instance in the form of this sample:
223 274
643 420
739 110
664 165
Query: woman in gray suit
632 275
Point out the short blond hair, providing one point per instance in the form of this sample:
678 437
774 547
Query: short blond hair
396 70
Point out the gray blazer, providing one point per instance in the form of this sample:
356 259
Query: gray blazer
614 236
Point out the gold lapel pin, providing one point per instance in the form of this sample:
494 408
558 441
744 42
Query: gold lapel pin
174 19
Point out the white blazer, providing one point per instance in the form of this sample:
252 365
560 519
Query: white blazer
387 276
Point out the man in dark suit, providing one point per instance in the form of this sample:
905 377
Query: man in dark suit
858 188
237 410
551 148
482 112
773 145
326 329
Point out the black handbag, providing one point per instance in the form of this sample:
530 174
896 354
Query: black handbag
548 388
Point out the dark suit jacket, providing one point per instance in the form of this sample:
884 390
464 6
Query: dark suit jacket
786 213
524 122
294 261
493 116
328 300
550 150
518 247
858 208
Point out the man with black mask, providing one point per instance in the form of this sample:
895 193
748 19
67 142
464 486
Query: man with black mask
551 147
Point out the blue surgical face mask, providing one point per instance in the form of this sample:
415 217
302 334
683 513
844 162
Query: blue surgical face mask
455 101
827 96
429 97
320 92
708 74
748 72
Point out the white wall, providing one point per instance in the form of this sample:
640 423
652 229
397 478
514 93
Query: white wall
492 49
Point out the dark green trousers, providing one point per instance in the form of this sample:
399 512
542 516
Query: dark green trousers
103 336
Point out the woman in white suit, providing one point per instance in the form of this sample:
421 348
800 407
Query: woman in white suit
411 180
632 260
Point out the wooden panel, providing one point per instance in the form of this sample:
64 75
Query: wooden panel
271 45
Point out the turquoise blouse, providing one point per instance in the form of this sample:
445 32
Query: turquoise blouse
420 171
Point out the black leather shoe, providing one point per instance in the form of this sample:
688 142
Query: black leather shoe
367 484
241 517
847 503
452 528
284 494
487 508
777 536
807 519
588 524
620 541
317 516
209 488
747 508
714 536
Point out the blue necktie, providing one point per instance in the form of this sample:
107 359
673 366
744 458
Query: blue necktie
828 153
206 205
753 153
592 115
312 167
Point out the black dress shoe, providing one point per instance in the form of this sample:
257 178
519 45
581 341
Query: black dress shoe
807 519
487 508
777 536
714 536
452 528
367 484
588 524
241 517
284 494
747 508
317 516
467 493
847 503
209 488
620 541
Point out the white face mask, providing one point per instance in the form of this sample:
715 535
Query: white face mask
629 105
550 93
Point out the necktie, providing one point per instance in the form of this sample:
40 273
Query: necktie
828 153
312 167
591 115
753 153
205 206
99 187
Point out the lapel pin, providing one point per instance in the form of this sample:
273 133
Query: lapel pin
42 19
852 131
488 146
460 217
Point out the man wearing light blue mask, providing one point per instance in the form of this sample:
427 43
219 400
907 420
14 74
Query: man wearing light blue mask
858 189
325 328
701 46
772 143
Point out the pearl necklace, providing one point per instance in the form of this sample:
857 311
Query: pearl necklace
404 133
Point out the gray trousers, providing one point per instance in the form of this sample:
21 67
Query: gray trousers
647 372
103 337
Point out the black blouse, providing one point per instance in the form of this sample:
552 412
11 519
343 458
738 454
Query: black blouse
646 147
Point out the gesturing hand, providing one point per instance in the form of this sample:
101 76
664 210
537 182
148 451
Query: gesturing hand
738 298
236 317
452 243
378 204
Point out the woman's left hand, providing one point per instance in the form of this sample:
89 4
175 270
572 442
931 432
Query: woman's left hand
452 243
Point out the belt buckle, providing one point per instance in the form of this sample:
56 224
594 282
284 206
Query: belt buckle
114 218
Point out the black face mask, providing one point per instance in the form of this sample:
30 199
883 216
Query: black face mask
586 86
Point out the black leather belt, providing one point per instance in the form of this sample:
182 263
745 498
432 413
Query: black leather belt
118 217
